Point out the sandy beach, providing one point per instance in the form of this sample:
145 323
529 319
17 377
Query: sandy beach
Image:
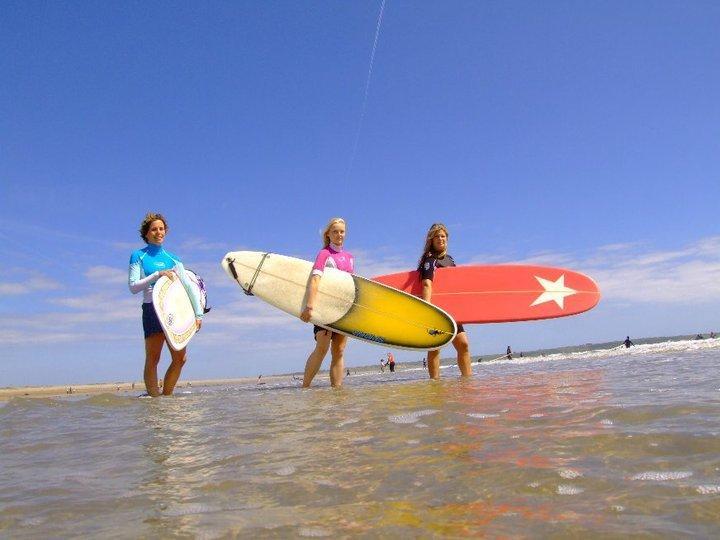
137 386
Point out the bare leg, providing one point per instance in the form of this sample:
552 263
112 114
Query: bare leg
433 364
463 354
173 372
153 348
337 364
314 361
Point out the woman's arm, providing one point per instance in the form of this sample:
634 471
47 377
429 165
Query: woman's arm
427 289
310 295
194 299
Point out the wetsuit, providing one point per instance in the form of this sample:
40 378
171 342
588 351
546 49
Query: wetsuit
145 267
332 257
427 267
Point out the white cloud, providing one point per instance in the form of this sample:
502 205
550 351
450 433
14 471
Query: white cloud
33 281
106 275
631 272
201 244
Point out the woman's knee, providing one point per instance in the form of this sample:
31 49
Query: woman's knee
461 344
338 348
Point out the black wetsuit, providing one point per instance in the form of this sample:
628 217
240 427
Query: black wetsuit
427 271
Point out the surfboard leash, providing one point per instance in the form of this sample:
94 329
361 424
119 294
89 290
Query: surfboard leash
250 286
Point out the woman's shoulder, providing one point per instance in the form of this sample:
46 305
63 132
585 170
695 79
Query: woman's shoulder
138 254
171 255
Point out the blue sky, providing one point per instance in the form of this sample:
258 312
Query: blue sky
584 135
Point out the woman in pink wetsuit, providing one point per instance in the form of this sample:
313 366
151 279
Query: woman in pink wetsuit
331 255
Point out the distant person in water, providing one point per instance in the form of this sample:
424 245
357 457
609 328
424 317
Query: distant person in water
391 362
712 335
147 265
332 255
435 255
628 343
508 353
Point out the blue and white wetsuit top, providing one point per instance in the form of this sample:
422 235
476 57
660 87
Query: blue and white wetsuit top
145 267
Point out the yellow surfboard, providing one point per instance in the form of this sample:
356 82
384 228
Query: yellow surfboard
346 303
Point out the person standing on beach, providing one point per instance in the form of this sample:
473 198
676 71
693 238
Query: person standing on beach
147 265
628 343
332 255
434 256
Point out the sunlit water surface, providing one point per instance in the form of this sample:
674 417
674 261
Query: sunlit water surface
598 445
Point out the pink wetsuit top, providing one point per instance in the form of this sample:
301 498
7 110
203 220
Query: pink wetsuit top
333 257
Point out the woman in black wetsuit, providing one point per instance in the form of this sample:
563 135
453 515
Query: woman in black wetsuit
434 256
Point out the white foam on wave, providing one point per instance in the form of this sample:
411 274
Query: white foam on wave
314 532
411 418
564 489
569 474
286 471
636 350
708 490
662 476
483 415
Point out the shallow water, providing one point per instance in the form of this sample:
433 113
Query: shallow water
596 444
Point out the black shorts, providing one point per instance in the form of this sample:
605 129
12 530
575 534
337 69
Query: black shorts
317 329
151 323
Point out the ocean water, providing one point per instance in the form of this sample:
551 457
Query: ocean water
601 444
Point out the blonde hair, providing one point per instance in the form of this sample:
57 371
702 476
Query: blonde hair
149 218
326 232
432 232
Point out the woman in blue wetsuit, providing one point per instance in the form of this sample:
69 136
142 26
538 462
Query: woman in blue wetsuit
434 256
147 265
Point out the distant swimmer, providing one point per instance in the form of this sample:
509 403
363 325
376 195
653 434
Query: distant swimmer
712 335
434 256
509 353
147 265
628 343
332 255
699 336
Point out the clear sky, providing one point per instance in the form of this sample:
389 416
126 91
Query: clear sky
576 134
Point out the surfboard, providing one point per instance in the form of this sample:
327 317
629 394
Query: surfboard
346 303
503 293
174 309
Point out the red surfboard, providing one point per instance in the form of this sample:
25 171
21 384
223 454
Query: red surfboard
503 292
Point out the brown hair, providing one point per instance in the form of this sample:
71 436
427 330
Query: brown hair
326 231
432 231
149 218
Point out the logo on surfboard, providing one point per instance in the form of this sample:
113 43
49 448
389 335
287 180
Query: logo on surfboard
555 291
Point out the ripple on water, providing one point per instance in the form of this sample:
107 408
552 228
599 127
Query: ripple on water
662 476
566 489
412 417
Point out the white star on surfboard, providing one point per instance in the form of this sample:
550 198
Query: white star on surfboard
555 291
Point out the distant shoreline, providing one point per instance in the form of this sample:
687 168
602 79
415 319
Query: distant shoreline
139 386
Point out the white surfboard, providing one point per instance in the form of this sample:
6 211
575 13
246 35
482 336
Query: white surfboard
346 303
174 309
